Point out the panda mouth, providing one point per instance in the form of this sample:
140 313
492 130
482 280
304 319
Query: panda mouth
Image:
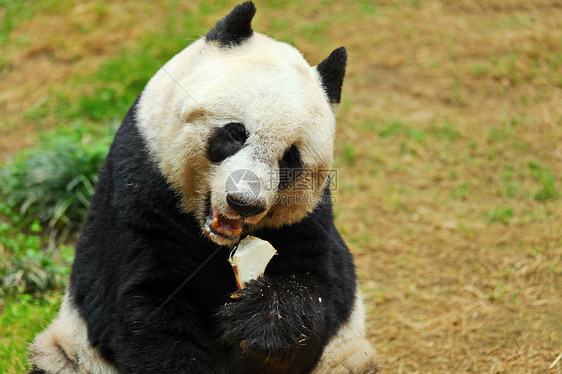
222 226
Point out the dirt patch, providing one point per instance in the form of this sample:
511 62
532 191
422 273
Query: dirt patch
462 272
47 51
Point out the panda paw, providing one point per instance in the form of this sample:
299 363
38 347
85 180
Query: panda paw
270 319
36 370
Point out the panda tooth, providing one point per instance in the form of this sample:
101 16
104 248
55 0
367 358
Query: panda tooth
215 223
236 232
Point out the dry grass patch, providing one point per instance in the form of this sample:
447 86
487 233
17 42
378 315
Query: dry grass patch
60 42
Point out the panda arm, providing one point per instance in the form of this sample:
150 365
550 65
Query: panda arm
273 316
289 314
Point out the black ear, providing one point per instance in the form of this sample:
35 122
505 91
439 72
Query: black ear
235 28
332 71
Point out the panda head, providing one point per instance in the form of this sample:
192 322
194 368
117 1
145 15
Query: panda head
243 127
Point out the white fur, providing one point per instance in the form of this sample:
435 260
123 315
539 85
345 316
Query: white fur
264 84
63 348
349 352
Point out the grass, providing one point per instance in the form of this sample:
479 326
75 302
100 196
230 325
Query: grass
500 214
32 280
54 182
547 181
15 12
448 156
26 267
22 318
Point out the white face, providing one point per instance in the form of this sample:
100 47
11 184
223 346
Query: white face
270 101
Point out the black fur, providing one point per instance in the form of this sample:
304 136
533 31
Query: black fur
137 247
226 141
290 167
235 28
332 72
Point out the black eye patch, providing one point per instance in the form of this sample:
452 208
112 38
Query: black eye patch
290 166
226 141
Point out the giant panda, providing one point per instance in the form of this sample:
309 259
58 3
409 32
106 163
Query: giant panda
151 290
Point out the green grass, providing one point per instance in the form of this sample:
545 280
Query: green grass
54 182
447 131
511 185
28 264
32 281
547 182
15 12
461 191
21 319
349 154
392 129
500 214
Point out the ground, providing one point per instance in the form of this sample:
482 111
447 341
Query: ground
448 152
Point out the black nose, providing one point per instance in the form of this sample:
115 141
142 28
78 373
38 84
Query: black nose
243 207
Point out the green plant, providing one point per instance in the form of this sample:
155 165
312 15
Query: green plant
500 214
350 153
26 267
22 317
54 182
508 179
446 132
547 182
391 129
